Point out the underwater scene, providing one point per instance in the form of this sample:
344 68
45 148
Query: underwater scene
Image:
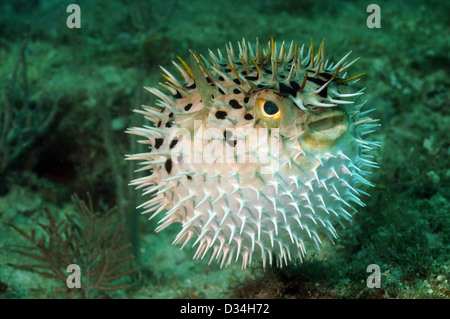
292 149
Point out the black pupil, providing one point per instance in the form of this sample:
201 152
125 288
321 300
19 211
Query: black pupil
270 108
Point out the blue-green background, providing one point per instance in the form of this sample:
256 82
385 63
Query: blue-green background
87 82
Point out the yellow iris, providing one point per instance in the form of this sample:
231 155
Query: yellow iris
269 109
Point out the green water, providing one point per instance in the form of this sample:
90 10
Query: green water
67 96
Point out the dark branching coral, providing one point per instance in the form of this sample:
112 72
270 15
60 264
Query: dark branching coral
90 240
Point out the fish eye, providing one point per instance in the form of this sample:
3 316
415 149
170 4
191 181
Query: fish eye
269 109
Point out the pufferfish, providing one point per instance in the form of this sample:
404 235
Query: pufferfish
259 153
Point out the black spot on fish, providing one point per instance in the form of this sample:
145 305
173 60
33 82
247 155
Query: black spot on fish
324 92
236 91
221 91
227 136
189 177
246 99
326 75
317 81
191 87
208 80
295 85
171 114
178 95
251 78
221 78
188 107
173 143
221 115
168 165
248 117
284 89
320 82
158 142
227 70
235 104
159 124
268 71
232 143
169 124
244 72
237 81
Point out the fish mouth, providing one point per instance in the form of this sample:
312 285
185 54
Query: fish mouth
325 127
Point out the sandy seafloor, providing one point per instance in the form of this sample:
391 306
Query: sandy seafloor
94 75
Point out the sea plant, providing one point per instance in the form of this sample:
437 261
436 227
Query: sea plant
90 240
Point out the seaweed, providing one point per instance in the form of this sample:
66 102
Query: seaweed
90 240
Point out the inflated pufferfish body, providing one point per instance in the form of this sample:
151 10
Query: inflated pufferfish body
256 153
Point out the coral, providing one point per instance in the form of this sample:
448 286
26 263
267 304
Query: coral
90 240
